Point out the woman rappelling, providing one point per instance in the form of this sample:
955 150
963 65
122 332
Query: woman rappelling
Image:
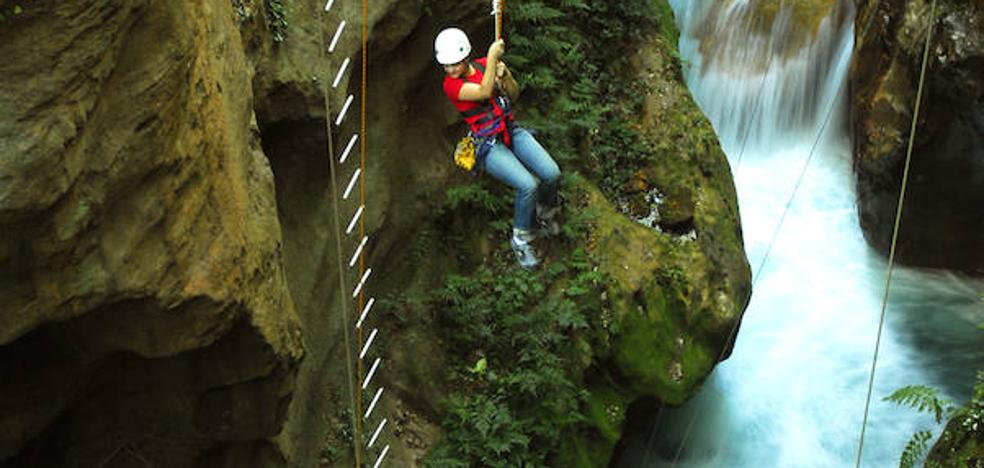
503 149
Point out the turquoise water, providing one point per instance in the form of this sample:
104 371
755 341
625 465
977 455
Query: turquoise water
793 392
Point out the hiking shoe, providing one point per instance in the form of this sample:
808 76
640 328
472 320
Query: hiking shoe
525 254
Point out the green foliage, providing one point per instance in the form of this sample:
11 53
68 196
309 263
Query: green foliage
962 441
922 398
11 11
480 366
960 438
513 406
667 28
573 59
673 276
276 14
244 13
519 341
425 242
488 435
915 449
474 196
339 436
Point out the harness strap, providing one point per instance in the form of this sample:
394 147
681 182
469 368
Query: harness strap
496 117
476 111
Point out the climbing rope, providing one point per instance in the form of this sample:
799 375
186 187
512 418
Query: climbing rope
360 312
498 8
338 230
895 229
775 234
362 219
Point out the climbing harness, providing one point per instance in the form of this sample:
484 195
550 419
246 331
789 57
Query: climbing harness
486 123
491 119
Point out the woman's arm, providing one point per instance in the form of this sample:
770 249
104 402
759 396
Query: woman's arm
474 92
506 81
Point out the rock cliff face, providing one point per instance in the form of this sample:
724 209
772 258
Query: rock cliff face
144 309
942 219
168 251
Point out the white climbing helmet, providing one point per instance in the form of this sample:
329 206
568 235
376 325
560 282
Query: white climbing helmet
451 46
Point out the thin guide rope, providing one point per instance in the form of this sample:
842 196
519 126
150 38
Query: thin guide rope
362 197
338 232
775 235
895 229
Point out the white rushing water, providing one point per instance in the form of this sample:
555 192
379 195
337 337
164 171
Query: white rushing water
793 392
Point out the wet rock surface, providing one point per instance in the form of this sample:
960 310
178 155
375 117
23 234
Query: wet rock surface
942 220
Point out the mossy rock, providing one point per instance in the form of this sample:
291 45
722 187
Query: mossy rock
673 299
962 442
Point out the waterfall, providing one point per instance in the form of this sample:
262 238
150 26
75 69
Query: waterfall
793 392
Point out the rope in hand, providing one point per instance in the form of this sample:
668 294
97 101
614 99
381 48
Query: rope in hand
498 8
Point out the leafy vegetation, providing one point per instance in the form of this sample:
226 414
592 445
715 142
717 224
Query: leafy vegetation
515 340
962 442
927 399
244 13
915 449
573 57
276 14
519 342
517 349
474 195
11 11
274 11
922 398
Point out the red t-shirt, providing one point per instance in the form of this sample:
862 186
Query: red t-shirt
452 86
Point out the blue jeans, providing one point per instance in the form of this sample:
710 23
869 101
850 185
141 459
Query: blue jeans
527 168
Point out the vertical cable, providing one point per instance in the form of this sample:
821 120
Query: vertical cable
895 229
362 197
338 230
731 335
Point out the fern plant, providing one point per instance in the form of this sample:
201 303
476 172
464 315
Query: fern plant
923 399
572 56
969 419
276 14
915 449
517 409
531 330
